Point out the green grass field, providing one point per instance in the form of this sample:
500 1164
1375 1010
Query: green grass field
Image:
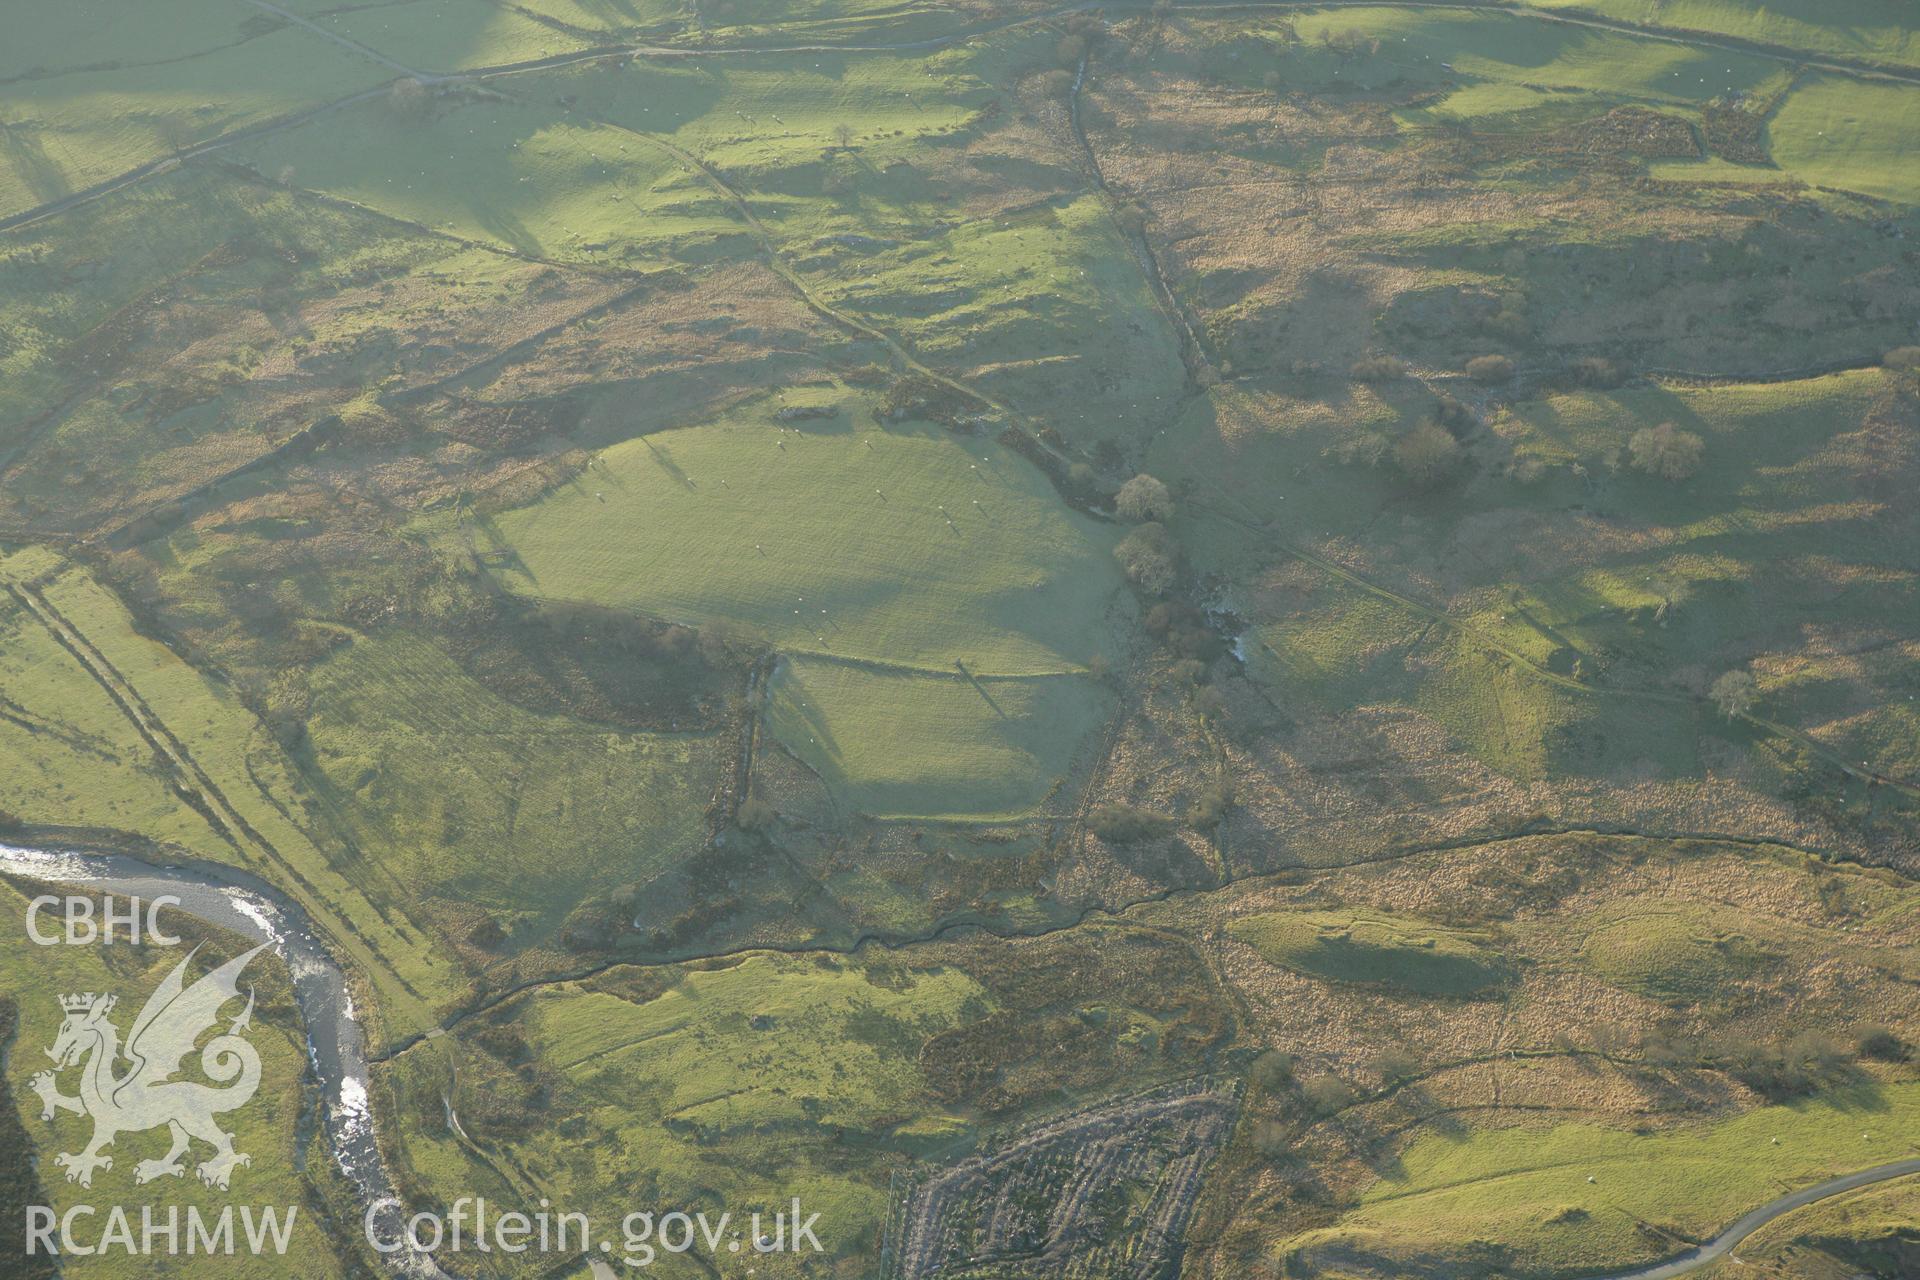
898 744
1554 1199
1400 953
1780 485
1680 956
908 544
773 123
1867 1229
1863 29
736 1087
396 720
441 36
989 295
73 758
517 175
1835 132
844 162
68 132
180 734
741 1082
48 42
1527 56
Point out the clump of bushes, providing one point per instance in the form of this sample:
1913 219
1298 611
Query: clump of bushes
1666 451
1272 1070
755 814
1378 369
1132 219
1327 1094
1510 321
1365 449
1453 415
1734 693
1490 370
1879 1044
1596 371
1056 83
410 99
1143 498
1804 1064
1396 1064
1426 454
1127 824
1149 557
1183 629
1209 805
915 395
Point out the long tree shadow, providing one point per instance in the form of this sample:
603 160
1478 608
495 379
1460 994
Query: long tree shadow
27 154
979 688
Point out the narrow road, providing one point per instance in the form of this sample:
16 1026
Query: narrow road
1724 1243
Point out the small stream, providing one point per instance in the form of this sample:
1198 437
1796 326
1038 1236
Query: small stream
234 899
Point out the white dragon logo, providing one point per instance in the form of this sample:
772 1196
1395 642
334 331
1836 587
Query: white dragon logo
146 1096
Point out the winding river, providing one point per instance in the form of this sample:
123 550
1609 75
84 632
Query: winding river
234 899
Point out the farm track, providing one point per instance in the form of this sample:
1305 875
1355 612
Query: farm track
1567 17
154 521
73 739
903 356
493 359
131 315
1194 352
738 200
